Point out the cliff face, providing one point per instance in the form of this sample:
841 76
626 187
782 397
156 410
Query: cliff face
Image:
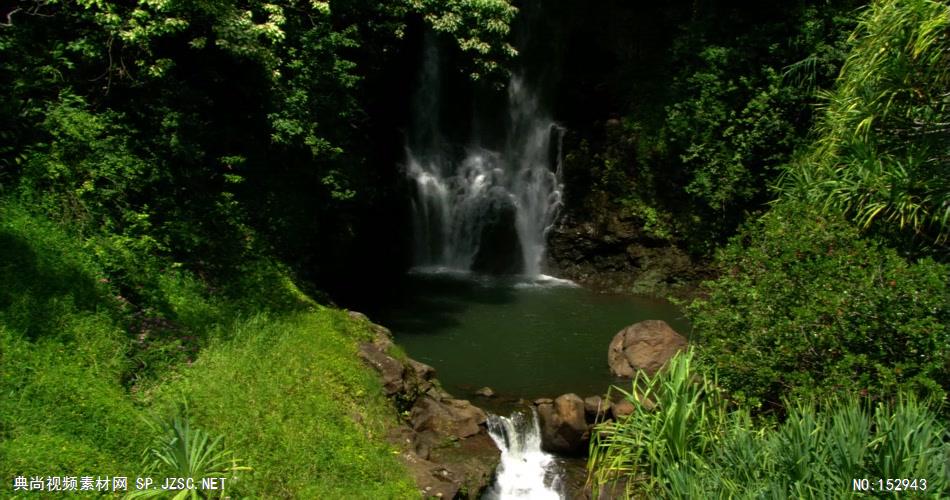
610 251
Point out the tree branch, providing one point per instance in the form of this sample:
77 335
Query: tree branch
9 22
32 11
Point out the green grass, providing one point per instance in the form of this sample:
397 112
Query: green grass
271 375
63 408
261 366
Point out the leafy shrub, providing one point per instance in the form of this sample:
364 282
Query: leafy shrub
732 134
85 171
731 106
685 444
805 306
881 152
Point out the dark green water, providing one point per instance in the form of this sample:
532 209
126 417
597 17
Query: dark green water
522 340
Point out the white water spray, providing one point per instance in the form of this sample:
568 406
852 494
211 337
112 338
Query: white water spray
491 210
525 470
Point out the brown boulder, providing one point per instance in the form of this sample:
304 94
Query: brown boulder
357 316
382 337
596 407
622 408
447 449
563 426
473 460
646 346
432 479
437 393
450 417
422 370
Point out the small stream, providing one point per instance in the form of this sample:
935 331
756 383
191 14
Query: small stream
525 470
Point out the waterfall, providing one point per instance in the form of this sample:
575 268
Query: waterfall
525 470
487 211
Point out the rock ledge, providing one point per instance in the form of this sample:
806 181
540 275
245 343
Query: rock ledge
444 441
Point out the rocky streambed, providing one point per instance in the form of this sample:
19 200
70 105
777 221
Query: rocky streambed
444 441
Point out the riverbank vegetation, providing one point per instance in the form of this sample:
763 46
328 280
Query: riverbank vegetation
685 440
823 353
845 270
269 378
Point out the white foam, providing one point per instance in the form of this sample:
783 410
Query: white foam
441 271
525 470
545 281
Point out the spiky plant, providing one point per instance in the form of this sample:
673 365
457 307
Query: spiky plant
882 150
181 451
680 442
909 443
672 420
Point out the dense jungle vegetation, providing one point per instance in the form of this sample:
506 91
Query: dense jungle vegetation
186 186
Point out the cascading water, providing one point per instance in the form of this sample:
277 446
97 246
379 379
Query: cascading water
525 470
489 211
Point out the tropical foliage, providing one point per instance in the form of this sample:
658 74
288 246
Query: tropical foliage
82 367
822 348
882 154
150 120
705 135
805 306
175 175
180 451
684 441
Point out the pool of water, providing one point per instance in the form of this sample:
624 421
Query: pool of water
524 339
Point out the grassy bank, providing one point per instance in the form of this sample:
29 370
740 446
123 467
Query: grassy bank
90 355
